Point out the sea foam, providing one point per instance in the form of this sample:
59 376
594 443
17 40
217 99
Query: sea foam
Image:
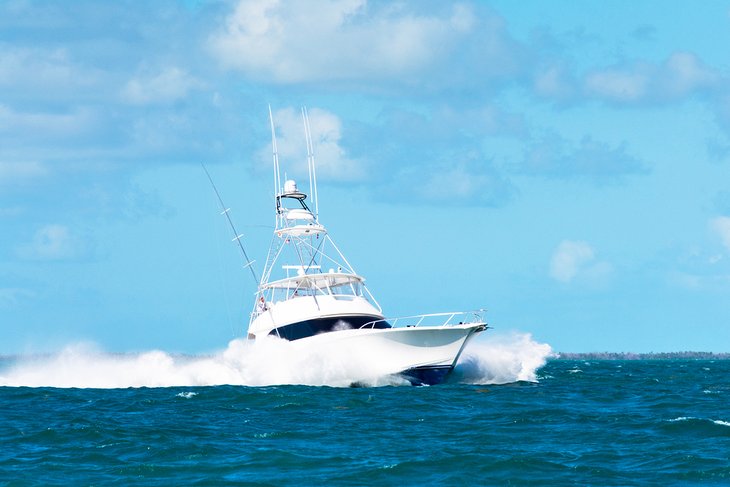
501 359
487 359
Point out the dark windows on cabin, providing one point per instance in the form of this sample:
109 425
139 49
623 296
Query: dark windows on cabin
308 328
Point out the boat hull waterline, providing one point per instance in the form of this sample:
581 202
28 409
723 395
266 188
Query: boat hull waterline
421 355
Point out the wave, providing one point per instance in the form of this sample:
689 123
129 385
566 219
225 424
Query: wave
264 362
702 427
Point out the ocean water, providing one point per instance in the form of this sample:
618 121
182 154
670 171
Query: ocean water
511 415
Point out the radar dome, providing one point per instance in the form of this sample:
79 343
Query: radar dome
290 186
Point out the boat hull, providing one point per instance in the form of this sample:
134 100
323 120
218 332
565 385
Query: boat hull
428 376
422 355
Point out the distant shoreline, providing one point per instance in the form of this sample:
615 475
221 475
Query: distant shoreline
555 356
641 356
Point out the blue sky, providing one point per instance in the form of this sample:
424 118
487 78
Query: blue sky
564 164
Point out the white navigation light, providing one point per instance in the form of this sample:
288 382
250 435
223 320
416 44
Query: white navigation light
290 186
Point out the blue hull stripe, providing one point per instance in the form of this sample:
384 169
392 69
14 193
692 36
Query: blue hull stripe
430 375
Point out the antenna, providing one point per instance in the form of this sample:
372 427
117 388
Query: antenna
236 236
309 152
310 162
277 177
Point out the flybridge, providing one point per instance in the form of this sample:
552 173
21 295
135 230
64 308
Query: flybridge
297 221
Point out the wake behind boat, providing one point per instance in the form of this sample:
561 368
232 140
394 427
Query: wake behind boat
309 294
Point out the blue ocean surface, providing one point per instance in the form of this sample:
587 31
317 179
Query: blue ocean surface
612 422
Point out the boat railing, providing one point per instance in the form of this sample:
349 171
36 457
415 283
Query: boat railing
432 319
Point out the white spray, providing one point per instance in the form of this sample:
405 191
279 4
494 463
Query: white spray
264 362
502 359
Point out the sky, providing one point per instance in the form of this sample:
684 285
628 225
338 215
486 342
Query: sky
565 165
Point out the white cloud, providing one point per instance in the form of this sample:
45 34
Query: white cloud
721 227
331 160
682 74
51 242
30 71
555 82
47 124
617 84
290 42
455 182
480 120
699 281
576 259
169 85
466 182
15 172
436 156
21 64
589 159
568 258
685 280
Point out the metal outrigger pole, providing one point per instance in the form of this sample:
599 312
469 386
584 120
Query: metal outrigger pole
236 236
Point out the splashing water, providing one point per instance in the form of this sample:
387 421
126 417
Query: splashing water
264 362
502 359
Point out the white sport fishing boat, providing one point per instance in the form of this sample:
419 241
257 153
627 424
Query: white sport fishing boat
310 294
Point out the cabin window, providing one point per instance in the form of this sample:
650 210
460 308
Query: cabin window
308 328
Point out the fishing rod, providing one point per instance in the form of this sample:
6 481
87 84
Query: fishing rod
236 236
